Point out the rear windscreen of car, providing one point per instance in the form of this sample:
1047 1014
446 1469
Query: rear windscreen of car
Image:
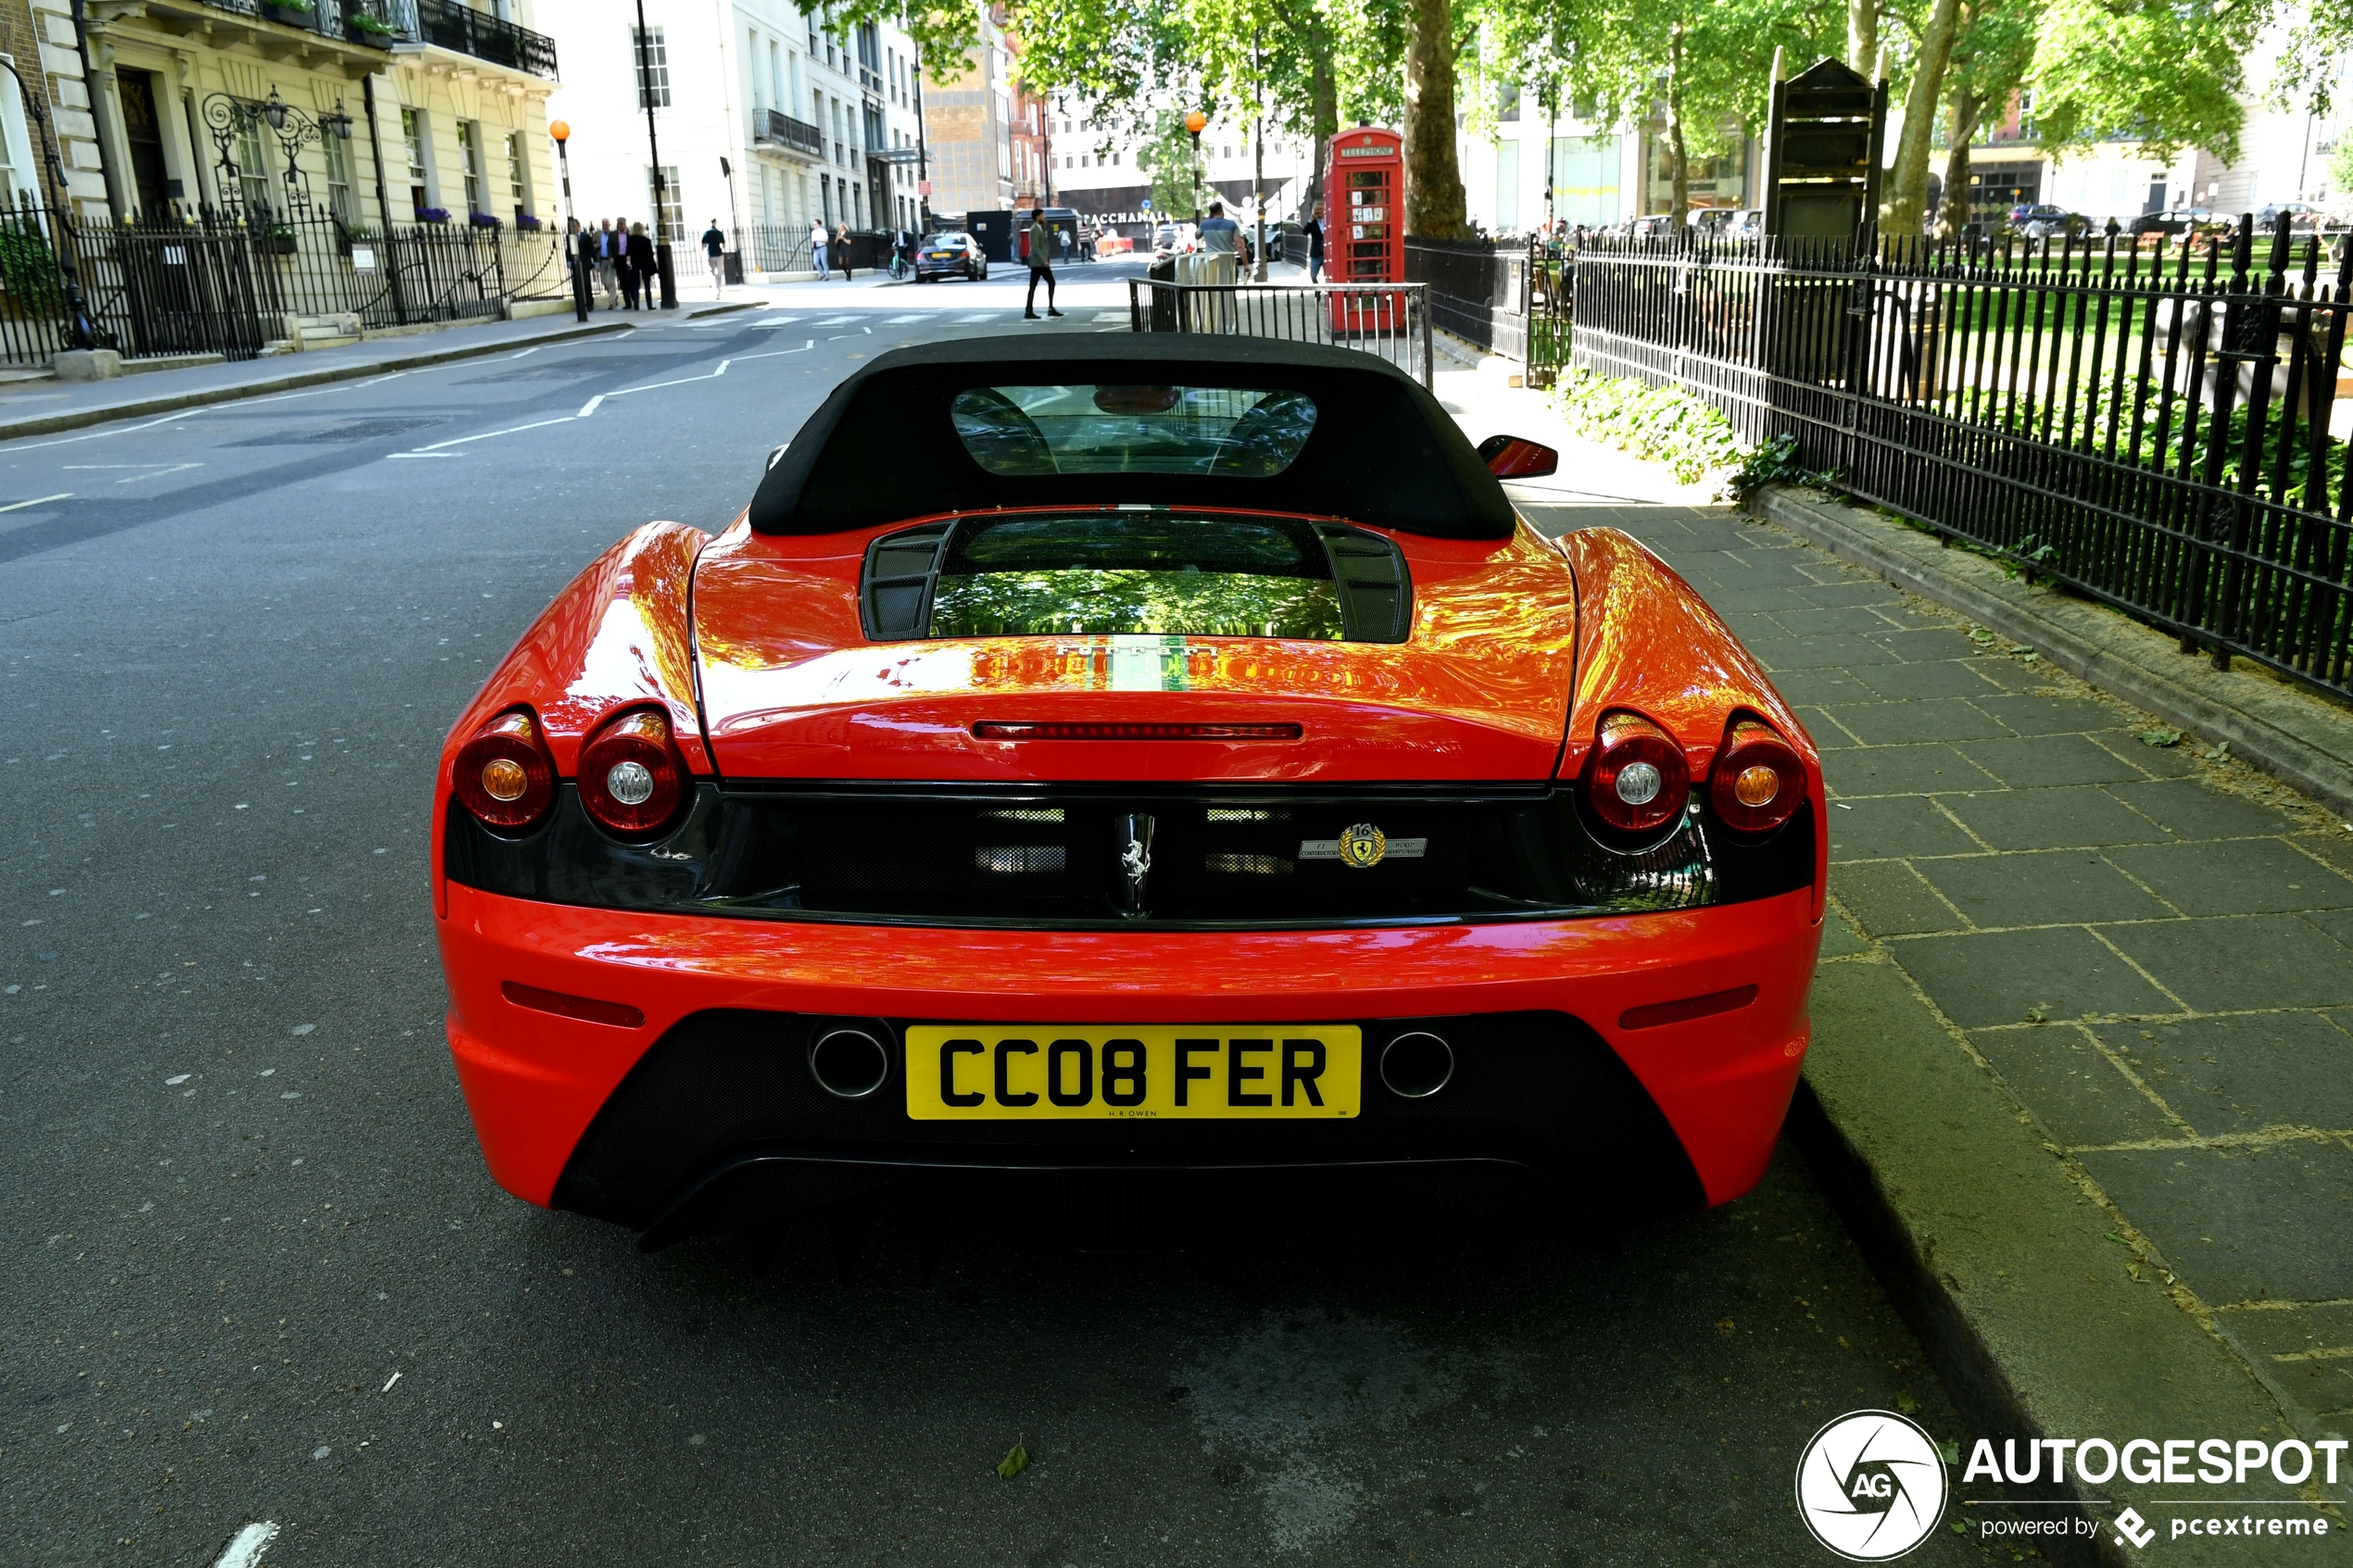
1025 430
1164 573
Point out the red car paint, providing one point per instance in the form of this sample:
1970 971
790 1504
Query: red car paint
1517 647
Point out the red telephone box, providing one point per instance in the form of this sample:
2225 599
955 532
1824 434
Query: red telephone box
1365 227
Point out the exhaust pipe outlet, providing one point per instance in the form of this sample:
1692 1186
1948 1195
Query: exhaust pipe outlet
1416 1066
850 1063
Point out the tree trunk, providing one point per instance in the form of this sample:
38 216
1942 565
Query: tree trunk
1953 212
1323 105
1908 181
1862 36
1434 205
1679 159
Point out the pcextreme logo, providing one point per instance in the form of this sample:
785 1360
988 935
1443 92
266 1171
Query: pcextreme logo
1870 1486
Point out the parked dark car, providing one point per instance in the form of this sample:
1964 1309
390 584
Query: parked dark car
2044 221
2302 216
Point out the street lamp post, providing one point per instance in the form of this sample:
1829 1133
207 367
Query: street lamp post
653 145
574 241
1195 123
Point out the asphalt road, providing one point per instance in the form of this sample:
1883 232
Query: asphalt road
255 1269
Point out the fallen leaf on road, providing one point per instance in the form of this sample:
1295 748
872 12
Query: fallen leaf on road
1723 1325
2160 737
1016 1460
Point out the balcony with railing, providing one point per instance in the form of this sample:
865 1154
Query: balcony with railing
364 23
446 24
774 129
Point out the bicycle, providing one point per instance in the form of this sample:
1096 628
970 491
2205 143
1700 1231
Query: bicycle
900 268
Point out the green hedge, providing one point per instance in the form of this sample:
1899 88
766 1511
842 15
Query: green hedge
1666 425
1657 423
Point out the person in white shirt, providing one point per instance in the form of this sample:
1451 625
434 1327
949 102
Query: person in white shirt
817 249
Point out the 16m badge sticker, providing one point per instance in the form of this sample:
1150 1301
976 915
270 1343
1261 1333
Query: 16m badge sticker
1870 1486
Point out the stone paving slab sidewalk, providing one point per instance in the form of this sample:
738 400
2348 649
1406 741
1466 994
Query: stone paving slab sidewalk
44 407
2084 1021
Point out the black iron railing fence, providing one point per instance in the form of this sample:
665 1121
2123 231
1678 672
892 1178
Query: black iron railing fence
231 283
1478 291
1392 321
2149 427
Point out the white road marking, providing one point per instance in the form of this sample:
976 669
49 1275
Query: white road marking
655 387
127 430
984 316
590 407
836 322
771 353
532 349
1113 316
424 453
902 321
776 321
147 470
510 430
38 500
244 1548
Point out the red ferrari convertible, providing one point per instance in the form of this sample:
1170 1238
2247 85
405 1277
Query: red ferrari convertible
1146 754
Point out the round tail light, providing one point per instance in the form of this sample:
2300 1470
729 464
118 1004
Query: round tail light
1637 780
502 776
631 778
1758 781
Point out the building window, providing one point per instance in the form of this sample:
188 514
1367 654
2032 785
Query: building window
776 73
253 169
670 208
339 200
518 174
412 136
470 164
653 59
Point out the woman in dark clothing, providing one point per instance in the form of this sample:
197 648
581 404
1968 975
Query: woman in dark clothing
638 278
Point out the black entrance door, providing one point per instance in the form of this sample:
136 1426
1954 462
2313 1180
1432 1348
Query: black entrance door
140 127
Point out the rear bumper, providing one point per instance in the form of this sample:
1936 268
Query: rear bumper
1541 1005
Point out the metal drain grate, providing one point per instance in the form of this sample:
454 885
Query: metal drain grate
359 429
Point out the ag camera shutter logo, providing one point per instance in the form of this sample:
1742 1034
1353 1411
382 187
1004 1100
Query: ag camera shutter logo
1870 1486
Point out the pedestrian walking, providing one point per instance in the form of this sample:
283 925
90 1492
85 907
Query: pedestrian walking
1041 243
1315 243
1220 235
611 241
639 278
817 250
714 250
841 249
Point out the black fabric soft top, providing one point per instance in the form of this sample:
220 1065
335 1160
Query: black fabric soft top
882 449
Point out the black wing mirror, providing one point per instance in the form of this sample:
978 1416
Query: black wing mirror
1508 457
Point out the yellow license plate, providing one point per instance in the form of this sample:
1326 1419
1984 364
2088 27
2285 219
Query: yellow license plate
1217 1071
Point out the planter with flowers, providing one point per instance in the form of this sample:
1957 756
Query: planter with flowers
528 222
432 215
482 221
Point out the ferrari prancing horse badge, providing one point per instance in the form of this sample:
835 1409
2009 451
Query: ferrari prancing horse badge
1363 846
